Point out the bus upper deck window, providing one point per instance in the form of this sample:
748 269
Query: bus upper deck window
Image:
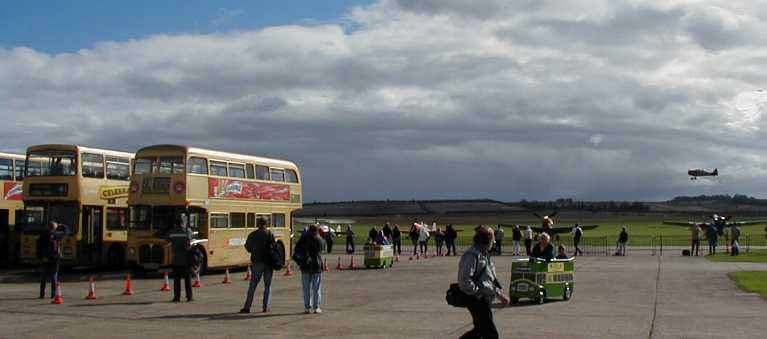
291 176
198 165
218 168
92 165
277 175
20 164
262 172
237 170
171 165
6 169
118 168
143 165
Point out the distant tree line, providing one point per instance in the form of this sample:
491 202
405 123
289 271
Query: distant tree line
723 198
591 206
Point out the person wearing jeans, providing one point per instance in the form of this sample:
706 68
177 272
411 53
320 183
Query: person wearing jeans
260 270
258 244
311 270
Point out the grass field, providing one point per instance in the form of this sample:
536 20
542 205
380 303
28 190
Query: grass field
642 231
752 281
753 256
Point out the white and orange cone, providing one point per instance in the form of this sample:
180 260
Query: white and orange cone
247 275
227 279
166 284
128 286
91 289
59 298
197 281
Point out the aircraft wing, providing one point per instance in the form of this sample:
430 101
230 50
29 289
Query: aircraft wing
324 221
564 229
748 222
682 223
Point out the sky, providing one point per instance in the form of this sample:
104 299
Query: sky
405 99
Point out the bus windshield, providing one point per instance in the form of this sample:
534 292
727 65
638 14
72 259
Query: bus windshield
51 163
161 219
38 216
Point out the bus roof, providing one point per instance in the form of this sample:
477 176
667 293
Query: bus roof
220 155
79 148
12 155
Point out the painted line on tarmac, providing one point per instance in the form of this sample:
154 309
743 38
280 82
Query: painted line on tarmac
655 306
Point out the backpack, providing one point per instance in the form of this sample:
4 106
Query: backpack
274 258
299 253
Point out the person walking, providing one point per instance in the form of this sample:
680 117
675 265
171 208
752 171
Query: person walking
413 235
516 238
694 239
396 239
734 240
577 234
439 240
258 244
349 240
311 266
49 255
713 238
477 278
528 240
623 238
423 240
180 238
499 235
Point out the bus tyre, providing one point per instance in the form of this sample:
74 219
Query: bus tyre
568 293
540 298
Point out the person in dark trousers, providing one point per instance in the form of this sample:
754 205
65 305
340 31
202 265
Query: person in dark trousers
695 239
413 235
349 240
387 231
623 239
477 278
258 244
577 234
372 235
180 238
543 250
329 235
311 270
439 240
396 240
450 236
713 238
49 255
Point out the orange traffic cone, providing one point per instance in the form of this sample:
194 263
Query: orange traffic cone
91 289
289 271
325 266
227 279
351 263
58 299
197 282
247 275
165 285
338 267
128 286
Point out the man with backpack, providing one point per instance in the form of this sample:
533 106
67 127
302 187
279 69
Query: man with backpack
49 255
308 256
259 243
477 279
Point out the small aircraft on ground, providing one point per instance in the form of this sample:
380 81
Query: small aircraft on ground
325 224
720 222
547 225
695 173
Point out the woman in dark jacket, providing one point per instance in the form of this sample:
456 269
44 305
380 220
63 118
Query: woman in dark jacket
311 270
450 235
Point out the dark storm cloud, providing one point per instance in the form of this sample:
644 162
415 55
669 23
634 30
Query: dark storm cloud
433 99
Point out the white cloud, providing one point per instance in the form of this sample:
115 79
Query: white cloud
490 99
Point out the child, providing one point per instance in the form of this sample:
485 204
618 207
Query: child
562 252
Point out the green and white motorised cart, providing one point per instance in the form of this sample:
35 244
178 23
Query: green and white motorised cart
378 256
538 280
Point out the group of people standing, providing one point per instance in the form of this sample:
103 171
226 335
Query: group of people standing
712 236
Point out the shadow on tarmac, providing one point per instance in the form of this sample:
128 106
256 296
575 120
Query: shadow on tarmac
224 316
116 304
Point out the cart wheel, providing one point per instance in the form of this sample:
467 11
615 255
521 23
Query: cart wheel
540 298
513 300
568 293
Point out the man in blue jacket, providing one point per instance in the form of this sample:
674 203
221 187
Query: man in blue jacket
49 255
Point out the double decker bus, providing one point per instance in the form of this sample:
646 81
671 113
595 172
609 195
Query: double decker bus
87 190
11 205
219 195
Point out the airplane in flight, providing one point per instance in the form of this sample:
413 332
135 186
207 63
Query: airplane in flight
695 173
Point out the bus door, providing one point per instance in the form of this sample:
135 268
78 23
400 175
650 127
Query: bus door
91 245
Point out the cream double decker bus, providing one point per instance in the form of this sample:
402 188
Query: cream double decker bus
87 190
11 205
219 195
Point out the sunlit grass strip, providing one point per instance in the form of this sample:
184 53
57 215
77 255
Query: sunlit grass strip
751 281
754 256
